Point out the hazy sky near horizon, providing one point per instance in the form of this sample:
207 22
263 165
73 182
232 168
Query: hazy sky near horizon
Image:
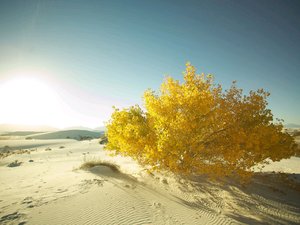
91 55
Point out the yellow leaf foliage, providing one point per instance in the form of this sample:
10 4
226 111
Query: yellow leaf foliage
195 128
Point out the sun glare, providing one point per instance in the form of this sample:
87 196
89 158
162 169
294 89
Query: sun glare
29 101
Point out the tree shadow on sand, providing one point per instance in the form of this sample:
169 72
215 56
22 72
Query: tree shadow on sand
269 198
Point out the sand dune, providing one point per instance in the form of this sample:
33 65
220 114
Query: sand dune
20 133
48 188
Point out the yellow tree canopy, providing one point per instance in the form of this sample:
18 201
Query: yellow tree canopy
195 128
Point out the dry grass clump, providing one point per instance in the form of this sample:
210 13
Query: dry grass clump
91 164
14 164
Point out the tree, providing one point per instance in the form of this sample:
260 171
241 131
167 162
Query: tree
195 128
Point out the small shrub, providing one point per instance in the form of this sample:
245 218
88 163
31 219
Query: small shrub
103 140
84 138
14 164
6 148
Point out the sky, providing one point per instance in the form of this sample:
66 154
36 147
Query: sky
77 59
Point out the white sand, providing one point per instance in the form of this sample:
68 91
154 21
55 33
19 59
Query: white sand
51 190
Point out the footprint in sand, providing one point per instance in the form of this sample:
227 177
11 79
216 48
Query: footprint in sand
27 200
9 218
59 190
130 186
156 205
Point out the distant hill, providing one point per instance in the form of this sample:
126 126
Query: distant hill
85 128
79 128
67 134
100 128
292 125
15 127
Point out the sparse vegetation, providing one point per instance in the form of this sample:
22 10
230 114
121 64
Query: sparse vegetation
103 140
196 128
83 138
6 148
14 164
7 153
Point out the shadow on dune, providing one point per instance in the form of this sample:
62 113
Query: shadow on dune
107 172
268 199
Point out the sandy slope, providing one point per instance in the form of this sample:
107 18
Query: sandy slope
51 190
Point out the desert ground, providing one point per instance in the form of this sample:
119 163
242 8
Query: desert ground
42 182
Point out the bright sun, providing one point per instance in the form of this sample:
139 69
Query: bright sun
29 101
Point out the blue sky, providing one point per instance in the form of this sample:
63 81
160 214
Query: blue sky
96 54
